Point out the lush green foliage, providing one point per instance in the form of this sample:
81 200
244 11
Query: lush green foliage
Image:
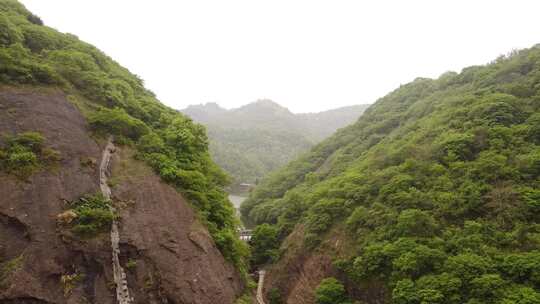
117 122
331 291
253 140
24 153
248 296
437 184
94 215
117 103
264 244
250 154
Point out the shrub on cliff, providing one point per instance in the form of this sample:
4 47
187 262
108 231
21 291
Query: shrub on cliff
93 215
24 153
117 122
233 249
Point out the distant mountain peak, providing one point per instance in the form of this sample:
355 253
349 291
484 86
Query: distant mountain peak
263 104
207 106
267 103
252 140
213 105
203 112
264 109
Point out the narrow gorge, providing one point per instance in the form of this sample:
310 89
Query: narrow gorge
429 195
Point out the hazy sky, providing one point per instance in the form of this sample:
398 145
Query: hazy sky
308 55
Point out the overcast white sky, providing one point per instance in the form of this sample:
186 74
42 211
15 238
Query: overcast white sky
307 55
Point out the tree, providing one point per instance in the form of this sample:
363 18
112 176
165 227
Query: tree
487 287
468 266
414 222
522 295
405 292
264 244
331 291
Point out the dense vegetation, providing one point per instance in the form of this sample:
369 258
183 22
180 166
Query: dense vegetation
264 244
253 140
331 291
93 215
23 154
116 103
437 186
249 155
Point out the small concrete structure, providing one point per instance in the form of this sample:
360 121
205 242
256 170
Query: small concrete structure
245 234
245 187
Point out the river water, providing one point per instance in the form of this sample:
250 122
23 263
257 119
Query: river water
237 200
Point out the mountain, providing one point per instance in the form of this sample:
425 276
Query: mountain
253 140
432 196
323 124
108 196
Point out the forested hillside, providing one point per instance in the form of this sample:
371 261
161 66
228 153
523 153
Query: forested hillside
434 192
253 140
115 103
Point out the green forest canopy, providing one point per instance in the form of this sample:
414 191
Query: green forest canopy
255 139
437 186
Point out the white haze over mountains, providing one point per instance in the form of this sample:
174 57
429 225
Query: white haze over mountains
308 55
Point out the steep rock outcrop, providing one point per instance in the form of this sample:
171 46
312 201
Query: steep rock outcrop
300 270
169 256
161 232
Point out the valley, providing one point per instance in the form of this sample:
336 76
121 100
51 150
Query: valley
429 195
251 141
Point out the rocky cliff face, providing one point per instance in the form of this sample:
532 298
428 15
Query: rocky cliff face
300 270
167 254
